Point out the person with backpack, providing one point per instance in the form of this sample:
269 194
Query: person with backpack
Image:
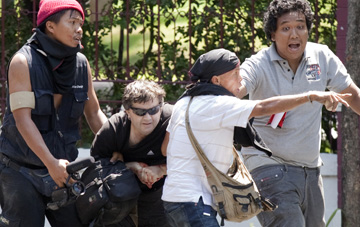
135 135
214 113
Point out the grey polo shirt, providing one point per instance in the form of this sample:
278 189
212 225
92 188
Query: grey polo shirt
265 75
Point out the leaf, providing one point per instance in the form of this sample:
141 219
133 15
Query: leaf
331 217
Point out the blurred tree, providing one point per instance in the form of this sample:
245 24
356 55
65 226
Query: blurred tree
350 126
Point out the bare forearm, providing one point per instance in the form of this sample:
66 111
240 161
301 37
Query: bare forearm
163 169
285 103
94 116
135 167
355 104
278 104
96 120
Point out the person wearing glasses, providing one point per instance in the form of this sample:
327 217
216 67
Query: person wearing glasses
134 135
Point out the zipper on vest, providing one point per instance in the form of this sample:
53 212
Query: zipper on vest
59 132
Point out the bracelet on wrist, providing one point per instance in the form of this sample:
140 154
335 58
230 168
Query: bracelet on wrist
308 96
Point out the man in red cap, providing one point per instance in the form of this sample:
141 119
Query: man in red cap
49 89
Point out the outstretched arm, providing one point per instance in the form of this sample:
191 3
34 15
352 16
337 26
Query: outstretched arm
287 102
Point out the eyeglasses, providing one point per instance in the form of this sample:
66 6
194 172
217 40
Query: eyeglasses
141 112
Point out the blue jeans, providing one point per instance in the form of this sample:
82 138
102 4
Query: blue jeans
190 214
297 191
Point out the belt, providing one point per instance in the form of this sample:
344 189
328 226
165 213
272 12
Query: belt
302 167
17 165
7 162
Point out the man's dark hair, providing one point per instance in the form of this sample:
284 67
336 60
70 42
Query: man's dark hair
277 8
54 18
142 91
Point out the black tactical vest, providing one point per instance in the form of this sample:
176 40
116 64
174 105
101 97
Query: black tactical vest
59 128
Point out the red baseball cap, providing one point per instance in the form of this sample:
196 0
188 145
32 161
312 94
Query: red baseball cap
50 7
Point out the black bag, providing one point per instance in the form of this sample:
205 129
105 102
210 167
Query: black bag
111 193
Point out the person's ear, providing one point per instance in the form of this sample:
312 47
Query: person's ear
215 80
273 37
49 25
127 113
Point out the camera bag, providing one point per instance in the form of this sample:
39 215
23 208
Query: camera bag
111 192
235 193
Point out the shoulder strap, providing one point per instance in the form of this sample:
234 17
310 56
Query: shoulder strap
202 157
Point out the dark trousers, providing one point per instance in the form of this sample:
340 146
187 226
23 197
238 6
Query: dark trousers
22 205
151 210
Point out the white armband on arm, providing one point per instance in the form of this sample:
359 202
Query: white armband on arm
22 99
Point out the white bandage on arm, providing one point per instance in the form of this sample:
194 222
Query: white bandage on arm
22 99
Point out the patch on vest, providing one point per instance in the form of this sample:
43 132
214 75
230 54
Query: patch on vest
313 72
150 153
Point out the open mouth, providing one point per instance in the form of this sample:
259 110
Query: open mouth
294 46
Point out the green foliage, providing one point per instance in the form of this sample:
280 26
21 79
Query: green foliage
195 29
331 217
18 26
325 24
